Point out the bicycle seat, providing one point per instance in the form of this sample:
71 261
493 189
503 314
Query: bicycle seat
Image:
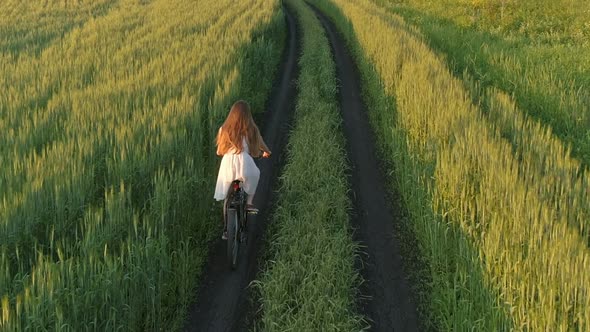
236 185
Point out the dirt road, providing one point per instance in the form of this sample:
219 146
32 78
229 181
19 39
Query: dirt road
387 294
222 301
222 296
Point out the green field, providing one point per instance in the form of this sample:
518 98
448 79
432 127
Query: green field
107 167
108 112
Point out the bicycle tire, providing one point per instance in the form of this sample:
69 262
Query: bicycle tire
233 242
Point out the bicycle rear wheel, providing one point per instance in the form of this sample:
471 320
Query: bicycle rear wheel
233 241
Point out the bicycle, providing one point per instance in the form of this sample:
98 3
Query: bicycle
236 220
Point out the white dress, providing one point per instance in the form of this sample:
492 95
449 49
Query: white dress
240 166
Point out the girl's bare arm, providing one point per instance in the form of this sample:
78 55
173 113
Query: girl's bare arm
263 145
265 148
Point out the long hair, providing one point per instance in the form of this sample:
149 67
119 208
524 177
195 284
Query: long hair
238 125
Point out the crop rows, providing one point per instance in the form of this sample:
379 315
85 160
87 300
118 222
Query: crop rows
27 27
107 117
544 21
309 282
536 51
498 205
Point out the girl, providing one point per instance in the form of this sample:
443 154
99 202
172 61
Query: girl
238 140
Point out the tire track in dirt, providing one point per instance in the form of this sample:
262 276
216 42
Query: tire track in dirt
222 298
386 299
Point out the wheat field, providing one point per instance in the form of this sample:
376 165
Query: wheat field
107 116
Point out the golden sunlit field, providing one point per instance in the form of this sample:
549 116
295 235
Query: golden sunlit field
499 205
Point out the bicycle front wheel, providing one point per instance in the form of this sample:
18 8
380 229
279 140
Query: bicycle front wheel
233 241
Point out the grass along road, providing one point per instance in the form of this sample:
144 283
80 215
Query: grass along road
389 304
309 281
